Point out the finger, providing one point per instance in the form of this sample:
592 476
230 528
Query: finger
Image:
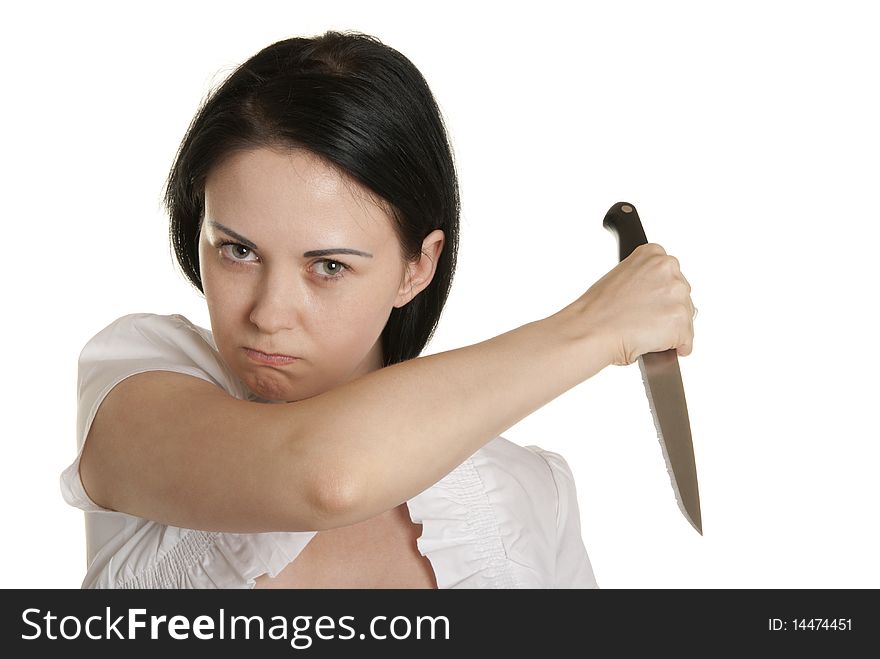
687 347
684 279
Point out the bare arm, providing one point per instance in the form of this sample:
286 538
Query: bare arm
407 425
173 448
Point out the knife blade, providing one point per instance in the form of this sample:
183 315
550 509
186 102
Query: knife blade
663 386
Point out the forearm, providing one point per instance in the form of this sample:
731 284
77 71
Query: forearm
383 438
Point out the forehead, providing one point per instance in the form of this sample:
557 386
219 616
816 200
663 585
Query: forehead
292 192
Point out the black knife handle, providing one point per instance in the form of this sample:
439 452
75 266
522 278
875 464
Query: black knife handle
622 220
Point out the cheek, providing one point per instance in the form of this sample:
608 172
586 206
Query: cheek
222 289
341 315
208 272
356 318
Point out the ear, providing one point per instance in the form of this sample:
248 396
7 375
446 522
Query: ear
419 272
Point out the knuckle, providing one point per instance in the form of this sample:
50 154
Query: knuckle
649 249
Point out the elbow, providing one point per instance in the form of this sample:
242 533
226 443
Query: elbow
334 499
322 476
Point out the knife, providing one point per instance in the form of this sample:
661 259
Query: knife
662 379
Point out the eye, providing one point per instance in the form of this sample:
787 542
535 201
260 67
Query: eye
329 269
238 252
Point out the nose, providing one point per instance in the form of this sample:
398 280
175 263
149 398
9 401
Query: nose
278 302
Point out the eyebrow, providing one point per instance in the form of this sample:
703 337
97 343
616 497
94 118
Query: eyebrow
315 252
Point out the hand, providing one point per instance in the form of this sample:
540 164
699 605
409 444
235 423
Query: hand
642 305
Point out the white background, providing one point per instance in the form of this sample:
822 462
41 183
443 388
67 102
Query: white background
746 135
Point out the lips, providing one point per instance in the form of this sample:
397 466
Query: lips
273 359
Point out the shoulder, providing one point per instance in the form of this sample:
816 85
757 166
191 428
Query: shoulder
140 342
492 521
534 470
146 330
523 483
536 498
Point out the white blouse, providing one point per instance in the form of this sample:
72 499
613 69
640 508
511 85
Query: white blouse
507 517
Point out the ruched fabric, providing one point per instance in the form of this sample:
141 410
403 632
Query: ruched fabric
507 517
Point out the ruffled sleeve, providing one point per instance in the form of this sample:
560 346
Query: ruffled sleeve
125 551
463 536
151 555
573 568
130 345
507 517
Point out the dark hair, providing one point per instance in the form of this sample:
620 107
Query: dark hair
365 109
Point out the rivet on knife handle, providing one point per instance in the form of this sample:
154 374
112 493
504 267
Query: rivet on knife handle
663 385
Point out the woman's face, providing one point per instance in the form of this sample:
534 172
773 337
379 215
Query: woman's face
296 260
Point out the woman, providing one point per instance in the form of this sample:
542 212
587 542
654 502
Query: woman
302 442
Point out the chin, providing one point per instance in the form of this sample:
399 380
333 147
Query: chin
269 390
